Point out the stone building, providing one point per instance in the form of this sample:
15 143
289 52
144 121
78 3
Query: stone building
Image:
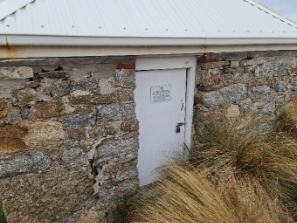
94 94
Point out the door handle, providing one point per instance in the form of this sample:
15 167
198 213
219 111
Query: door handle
177 130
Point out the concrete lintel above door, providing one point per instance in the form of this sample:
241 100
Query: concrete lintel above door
161 63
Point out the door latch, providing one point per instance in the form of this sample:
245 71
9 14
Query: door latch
177 130
182 105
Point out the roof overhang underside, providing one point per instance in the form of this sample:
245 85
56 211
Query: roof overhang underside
25 46
21 52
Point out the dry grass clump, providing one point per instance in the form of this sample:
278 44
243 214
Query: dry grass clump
270 158
185 196
234 176
268 161
288 121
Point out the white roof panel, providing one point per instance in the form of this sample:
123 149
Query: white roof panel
163 19
10 6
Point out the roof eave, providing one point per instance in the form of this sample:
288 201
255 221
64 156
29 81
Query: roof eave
27 40
16 47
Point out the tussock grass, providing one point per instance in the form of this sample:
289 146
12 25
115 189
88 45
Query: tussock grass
234 175
185 196
287 122
270 158
260 167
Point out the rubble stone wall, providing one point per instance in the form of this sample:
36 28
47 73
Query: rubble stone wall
249 87
68 138
69 133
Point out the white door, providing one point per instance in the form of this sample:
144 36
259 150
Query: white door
160 109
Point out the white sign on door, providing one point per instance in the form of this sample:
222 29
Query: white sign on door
161 94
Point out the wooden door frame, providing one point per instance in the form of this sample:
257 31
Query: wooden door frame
175 62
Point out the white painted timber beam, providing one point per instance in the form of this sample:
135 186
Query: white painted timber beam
8 52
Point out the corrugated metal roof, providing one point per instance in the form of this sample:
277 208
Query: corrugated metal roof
190 19
8 7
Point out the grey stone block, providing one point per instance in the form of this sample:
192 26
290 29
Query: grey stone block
280 86
117 147
59 90
51 196
269 108
234 64
66 87
106 192
127 176
128 187
125 77
275 69
259 91
72 155
210 80
257 106
231 94
280 100
16 72
6 87
115 111
87 84
26 113
245 102
24 164
294 81
79 121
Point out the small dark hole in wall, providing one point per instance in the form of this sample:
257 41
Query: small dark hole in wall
38 76
35 87
44 71
27 106
249 57
59 68
94 171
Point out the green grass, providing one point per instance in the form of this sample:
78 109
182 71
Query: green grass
2 216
